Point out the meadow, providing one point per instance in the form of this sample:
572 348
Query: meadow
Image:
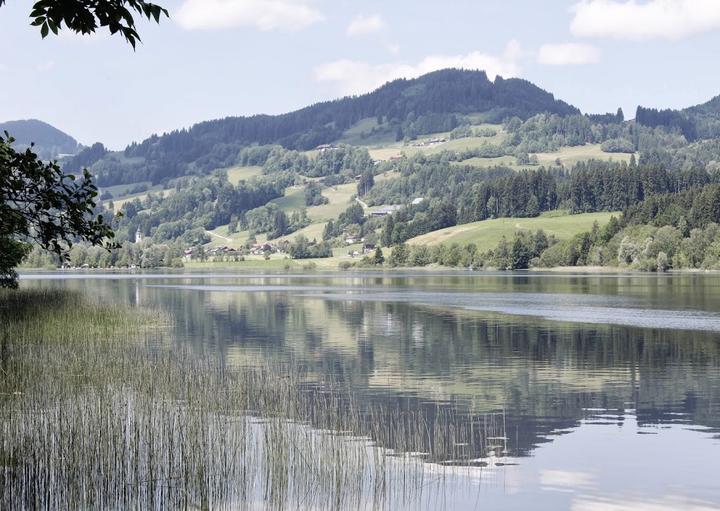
567 156
121 193
488 233
237 174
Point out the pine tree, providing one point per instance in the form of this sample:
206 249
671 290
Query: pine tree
387 232
520 254
378 258
533 208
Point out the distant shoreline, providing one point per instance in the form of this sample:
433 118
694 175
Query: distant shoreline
297 265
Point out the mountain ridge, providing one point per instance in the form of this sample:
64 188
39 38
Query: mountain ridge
50 142
471 92
403 108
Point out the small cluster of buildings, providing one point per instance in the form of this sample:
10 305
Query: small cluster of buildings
386 210
221 251
263 248
366 249
430 142
326 147
259 249
394 208
193 252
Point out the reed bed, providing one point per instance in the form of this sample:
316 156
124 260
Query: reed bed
99 410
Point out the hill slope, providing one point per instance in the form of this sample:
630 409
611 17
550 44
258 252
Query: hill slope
695 122
442 92
706 118
428 104
486 234
49 141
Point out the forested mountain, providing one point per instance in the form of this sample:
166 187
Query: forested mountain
428 104
414 158
442 92
696 122
85 158
49 141
706 118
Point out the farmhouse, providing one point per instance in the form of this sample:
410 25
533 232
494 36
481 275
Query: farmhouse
262 249
386 210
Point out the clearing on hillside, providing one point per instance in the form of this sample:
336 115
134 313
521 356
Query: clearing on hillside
488 233
568 157
237 174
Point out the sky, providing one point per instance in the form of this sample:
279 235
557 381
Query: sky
218 58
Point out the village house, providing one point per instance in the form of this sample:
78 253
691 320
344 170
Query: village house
262 249
223 251
385 210
326 147
430 142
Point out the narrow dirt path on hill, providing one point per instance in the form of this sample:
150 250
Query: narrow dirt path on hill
218 236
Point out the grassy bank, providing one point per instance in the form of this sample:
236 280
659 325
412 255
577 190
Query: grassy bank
100 409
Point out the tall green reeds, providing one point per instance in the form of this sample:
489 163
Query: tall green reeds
100 410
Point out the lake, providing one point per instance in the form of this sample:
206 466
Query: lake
604 390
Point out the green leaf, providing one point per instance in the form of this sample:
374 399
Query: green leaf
44 30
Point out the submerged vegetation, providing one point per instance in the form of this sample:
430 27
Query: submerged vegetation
97 410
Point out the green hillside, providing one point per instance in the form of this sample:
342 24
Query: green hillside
433 103
488 233
449 158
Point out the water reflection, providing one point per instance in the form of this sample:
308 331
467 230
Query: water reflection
605 385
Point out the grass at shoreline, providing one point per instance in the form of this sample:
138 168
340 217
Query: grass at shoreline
88 389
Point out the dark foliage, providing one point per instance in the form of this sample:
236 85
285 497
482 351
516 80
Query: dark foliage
85 16
40 204
302 248
673 119
85 158
692 208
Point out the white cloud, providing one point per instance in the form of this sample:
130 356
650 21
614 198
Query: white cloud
362 25
260 14
356 77
567 54
630 19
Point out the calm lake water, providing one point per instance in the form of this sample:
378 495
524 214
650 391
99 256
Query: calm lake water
607 387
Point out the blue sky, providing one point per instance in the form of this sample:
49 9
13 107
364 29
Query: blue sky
216 58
